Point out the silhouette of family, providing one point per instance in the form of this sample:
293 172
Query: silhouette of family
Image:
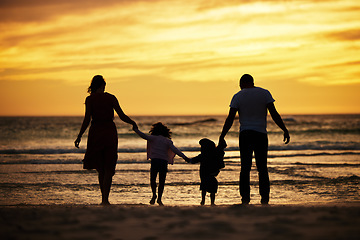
251 104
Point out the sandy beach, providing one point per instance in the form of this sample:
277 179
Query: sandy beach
328 221
46 194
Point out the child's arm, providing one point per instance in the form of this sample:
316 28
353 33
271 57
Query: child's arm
178 152
196 159
141 134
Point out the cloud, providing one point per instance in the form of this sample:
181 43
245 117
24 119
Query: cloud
198 40
131 42
346 35
41 10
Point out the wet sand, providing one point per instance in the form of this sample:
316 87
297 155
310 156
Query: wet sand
323 221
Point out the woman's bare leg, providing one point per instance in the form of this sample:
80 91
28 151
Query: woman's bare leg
105 180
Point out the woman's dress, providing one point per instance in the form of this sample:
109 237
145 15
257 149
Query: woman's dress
102 144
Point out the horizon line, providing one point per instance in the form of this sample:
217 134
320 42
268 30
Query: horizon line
174 115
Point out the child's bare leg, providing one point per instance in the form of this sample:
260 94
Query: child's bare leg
153 175
212 197
203 195
162 178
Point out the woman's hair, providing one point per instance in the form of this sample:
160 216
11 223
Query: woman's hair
160 129
96 83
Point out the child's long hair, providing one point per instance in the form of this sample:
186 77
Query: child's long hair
160 129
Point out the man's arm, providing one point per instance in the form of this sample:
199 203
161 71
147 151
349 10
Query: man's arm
278 120
228 123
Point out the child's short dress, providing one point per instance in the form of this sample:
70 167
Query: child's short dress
208 183
208 173
210 165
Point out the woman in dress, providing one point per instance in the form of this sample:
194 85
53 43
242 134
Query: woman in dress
101 152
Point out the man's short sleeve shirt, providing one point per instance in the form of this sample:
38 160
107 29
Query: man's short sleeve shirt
251 104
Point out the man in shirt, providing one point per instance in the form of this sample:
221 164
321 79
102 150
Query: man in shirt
252 104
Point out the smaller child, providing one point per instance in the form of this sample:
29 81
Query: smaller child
211 161
161 151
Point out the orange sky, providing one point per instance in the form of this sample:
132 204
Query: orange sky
178 57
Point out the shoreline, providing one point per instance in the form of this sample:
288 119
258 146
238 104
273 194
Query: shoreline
142 221
127 205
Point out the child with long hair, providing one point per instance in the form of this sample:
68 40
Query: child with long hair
161 151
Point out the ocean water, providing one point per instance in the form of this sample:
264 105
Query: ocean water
40 165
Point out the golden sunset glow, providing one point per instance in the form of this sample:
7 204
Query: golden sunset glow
179 57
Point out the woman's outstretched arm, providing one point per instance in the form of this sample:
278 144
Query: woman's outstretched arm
121 114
